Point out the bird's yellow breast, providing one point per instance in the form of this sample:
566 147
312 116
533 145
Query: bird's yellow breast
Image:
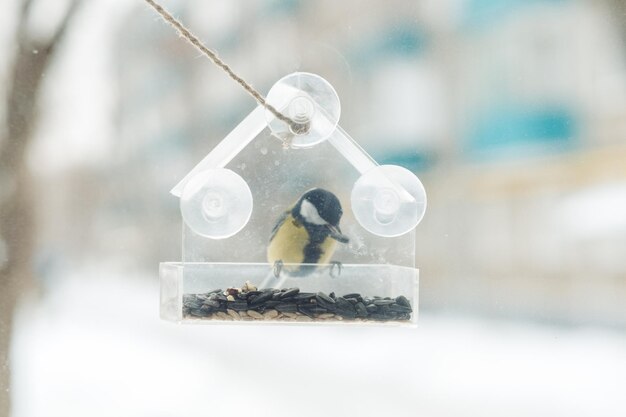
290 241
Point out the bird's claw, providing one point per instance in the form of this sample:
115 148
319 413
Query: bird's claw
278 267
335 265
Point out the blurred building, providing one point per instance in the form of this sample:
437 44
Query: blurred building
512 112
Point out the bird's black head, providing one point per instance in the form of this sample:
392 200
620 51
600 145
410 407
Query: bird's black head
319 207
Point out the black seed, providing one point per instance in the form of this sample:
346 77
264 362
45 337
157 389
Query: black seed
198 313
266 295
344 304
253 293
211 303
391 315
271 303
313 309
195 304
287 307
352 295
371 308
290 300
325 301
237 305
350 314
361 311
384 310
325 304
400 308
324 297
304 297
403 301
289 293
344 308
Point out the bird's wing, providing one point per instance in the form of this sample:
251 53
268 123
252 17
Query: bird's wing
279 223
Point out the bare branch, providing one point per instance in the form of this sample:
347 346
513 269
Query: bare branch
57 37
27 5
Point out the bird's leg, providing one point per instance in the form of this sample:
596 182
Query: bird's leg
278 267
335 265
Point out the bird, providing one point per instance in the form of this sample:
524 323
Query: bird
307 233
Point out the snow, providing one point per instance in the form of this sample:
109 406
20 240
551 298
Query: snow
94 345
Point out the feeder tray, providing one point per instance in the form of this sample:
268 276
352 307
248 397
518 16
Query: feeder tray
232 199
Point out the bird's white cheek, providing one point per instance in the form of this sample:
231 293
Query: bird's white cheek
310 214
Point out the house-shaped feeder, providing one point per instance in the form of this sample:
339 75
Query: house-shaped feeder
231 201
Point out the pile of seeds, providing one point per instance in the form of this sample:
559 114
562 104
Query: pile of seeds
289 304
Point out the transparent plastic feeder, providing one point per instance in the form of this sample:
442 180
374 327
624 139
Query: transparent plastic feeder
231 201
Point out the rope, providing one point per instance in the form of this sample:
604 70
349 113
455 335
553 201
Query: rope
297 128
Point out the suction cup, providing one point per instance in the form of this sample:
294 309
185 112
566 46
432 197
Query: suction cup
216 203
311 102
388 200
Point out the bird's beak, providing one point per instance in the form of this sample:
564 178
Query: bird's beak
336 234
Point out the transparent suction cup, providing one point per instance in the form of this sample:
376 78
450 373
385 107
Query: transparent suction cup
310 101
216 203
388 200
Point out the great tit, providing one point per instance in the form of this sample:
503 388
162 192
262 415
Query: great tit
307 233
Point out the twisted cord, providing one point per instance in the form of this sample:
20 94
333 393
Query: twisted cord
212 55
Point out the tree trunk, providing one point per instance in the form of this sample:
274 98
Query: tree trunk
16 209
17 228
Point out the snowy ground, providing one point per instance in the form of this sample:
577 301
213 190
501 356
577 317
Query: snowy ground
95 347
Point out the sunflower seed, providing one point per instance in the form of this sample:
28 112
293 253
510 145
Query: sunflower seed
223 316
254 314
270 314
233 314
